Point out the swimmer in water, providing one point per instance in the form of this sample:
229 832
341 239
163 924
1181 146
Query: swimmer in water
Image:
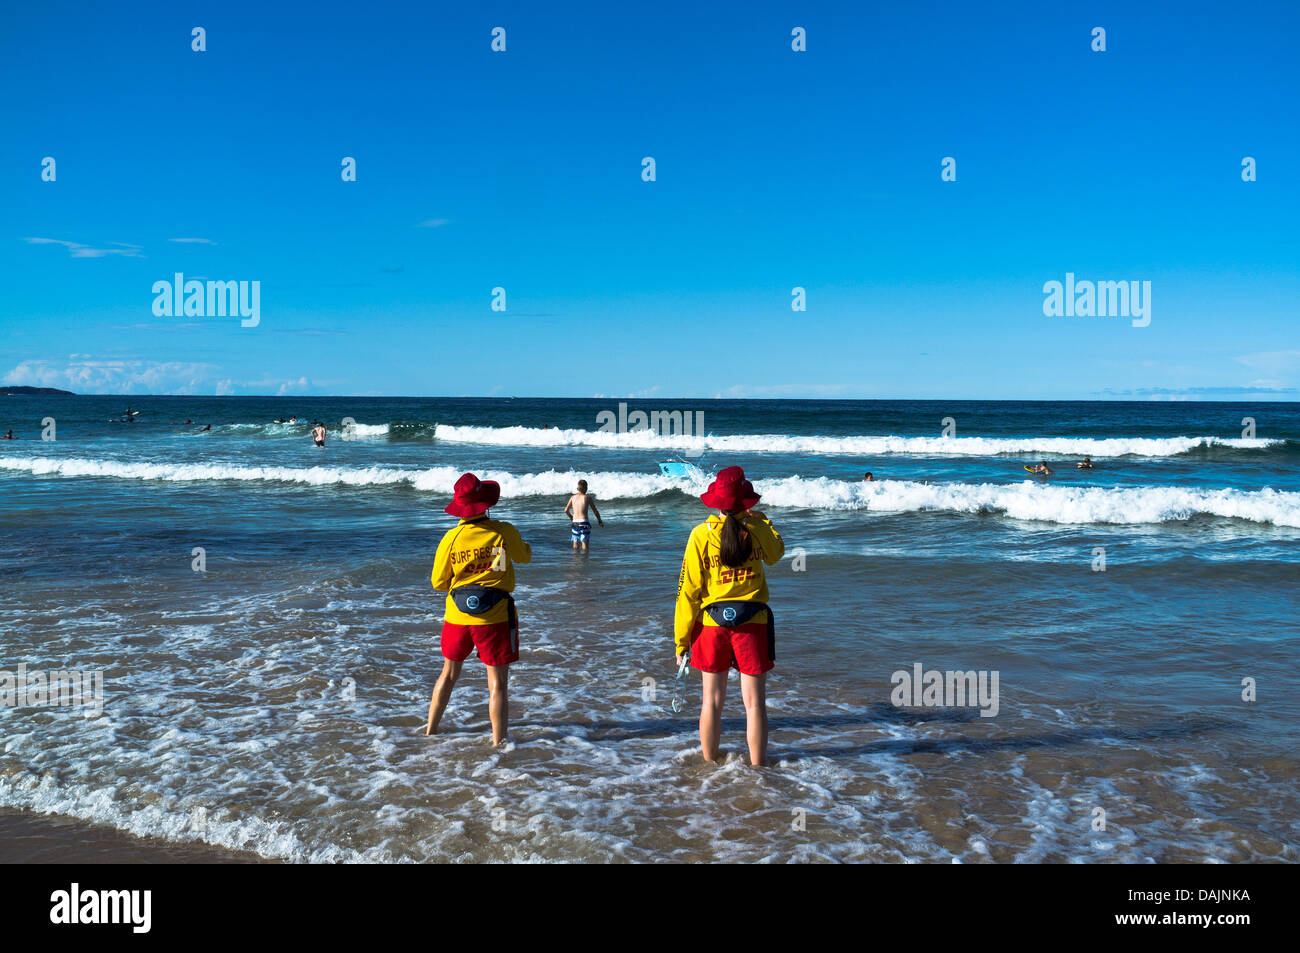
1086 464
576 510
868 477
1042 469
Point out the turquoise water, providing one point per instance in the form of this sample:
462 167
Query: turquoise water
275 701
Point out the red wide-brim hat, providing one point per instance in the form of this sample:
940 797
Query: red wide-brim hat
473 497
730 491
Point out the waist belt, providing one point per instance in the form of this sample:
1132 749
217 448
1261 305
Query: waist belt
480 600
729 615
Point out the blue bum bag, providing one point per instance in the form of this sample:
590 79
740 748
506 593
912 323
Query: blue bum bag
480 600
729 615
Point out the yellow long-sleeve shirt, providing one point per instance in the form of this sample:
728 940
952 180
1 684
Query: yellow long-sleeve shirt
705 580
479 552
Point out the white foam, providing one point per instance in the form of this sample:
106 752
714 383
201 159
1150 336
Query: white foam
301 427
1025 500
272 839
1101 447
1030 500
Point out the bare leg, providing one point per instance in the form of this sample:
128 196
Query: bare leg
715 693
442 694
753 689
498 700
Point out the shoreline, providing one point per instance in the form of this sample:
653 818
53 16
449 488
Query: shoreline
30 838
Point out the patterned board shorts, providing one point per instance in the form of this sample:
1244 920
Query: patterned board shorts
581 531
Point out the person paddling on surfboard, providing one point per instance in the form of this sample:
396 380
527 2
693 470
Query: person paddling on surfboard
1042 469
1085 463
722 618
475 566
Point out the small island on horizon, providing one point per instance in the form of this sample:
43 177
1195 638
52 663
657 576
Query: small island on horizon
41 391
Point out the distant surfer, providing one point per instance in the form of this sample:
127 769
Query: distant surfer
474 565
1042 469
1085 464
576 510
722 619
206 429
318 433
9 436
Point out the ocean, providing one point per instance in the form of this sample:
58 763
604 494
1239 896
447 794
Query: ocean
260 614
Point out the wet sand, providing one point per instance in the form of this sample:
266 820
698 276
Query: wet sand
27 838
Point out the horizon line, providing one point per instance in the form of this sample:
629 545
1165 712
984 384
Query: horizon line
1155 399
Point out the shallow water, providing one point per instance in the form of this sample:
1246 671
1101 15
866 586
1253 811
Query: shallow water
275 702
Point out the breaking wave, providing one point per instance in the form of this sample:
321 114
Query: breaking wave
1024 500
1101 447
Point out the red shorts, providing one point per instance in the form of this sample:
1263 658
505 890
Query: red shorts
716 648
497 643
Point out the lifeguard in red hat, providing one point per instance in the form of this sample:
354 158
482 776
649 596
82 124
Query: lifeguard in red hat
723 620
475 566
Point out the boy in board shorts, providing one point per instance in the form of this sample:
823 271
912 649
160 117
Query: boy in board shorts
576 509
475 567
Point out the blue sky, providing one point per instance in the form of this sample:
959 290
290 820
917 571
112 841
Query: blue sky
775 169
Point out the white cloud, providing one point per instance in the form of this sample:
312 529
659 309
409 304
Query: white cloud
786 390
1272 363
434 223
290 387
88 376
84 374
78 250
192 241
